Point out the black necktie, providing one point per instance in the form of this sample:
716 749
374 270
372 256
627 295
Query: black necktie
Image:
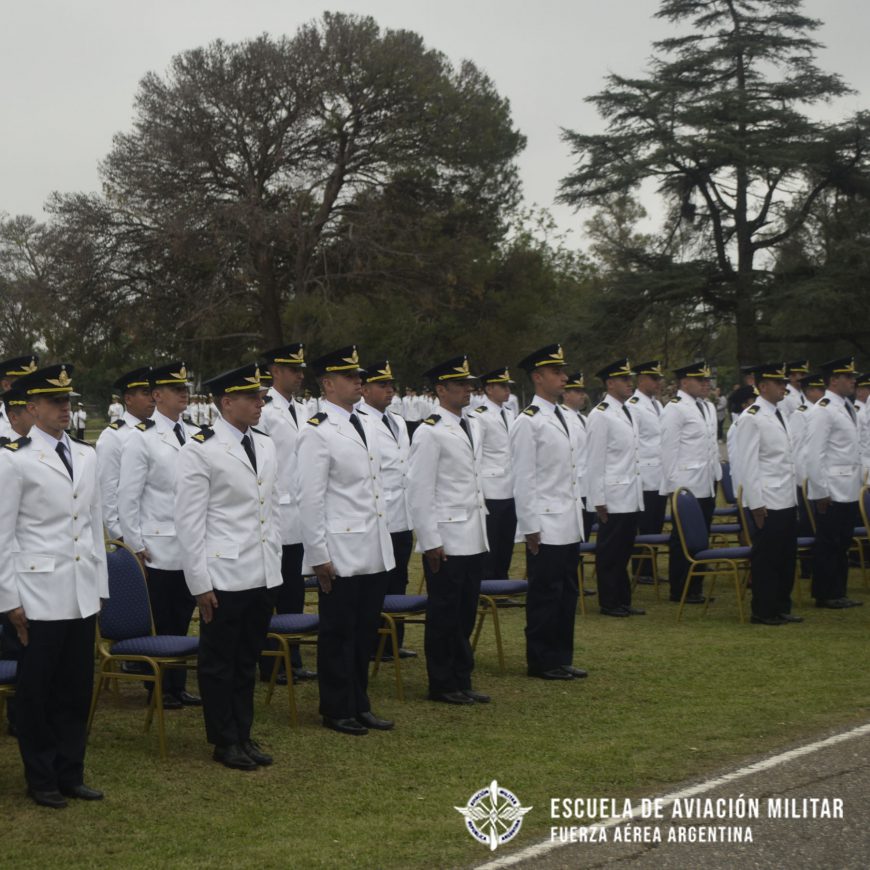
700 405
561 418
582 419
61 452
779 417
354 420
851 409
464 424
179 433
249 449
389 426
627 414
292 411
656 408
504 419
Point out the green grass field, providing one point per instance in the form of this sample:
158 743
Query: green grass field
663 702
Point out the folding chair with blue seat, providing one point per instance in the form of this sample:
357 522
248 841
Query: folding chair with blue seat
491 593
729 509
289 630
125 633
705 561
646 549
408 609
860 536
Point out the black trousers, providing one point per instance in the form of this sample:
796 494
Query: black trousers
678 565
551 604
229 647
349 617
53 695
289 597
397 580
451 612
834 532
612 554
501 527
10 650
172 607
650 522
774 553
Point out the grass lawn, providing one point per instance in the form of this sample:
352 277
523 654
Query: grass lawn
662 703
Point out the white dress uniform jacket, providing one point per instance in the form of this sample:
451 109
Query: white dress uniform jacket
579 427
791 401
547 493
833 460
798 427
6 430
341 496
226 514
445 491
688 455
613 477
864 441
495 421
394 450
278 423
146 491
116 411
646 412
764 446
110 444
51 530
713 429
731 447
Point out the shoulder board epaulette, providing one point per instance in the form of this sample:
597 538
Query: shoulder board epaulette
267 399
601 406
204 434
480 408
802 407
259 431
753 410
432 419
317 419
634 400
145 425
824 402
3 440
531 410
118 424
20 442
675 400
80 441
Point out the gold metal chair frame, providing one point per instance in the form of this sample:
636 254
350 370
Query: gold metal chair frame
488 605
286 642
158 664
709 568
411 617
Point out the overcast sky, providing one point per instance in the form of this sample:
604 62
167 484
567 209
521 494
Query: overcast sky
69 69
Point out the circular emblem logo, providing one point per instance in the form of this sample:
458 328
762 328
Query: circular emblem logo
493 815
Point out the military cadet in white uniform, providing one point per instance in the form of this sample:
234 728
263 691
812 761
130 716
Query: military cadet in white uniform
574 401
834 475
862 390
689 460
646 411
741 399
813 389
51 581
80 421
346 538
135 387
116 409
766 462
448 511
10 371
614 488
282 419
794 396
498 490
549 515
146 512
226 519
863 440
394 445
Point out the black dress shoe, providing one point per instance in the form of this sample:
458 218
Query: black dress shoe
189 700
407 653
234 756
613 611
170 702
477 697
384 658
589 592
53 799
345 726
646 581
767 620
850 602
787 617
577 673
252 749
832 603
635 611
554 674
369 720
451 698
303 674
82 792
695 599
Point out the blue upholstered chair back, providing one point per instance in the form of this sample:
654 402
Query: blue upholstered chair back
127 613
865 502
691 521
727 484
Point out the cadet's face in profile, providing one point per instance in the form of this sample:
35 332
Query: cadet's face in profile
379 394
691 386
343 389
621 388
574 399
287 379
242 410
550 381
140 402
51 413
843 385
171 399
498 393
455 394
773 391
